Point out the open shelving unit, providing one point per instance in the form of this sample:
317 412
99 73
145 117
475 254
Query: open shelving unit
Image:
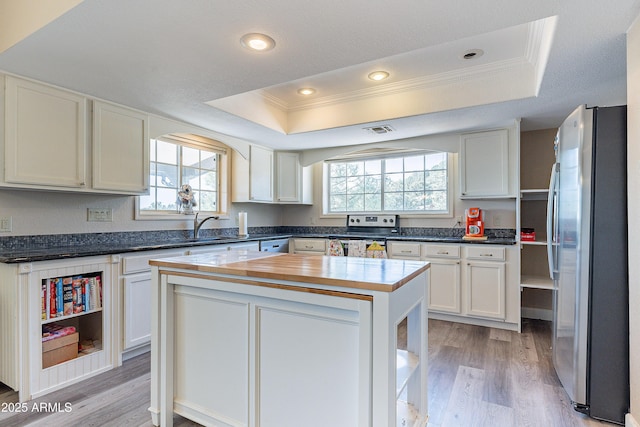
94 325
73 304
536 159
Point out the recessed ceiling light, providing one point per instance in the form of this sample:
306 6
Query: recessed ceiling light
306 91
378 75
258 42
472 54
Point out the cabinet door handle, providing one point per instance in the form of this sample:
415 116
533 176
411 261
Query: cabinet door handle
443 253
486 254
308 247
406 251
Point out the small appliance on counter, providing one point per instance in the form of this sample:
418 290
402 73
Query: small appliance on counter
474 224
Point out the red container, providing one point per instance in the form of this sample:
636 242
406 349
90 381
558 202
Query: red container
527 235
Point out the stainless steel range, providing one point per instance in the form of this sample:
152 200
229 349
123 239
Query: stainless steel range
370 228
373 225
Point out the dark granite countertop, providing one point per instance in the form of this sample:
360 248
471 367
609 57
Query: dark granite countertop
62 252
74 246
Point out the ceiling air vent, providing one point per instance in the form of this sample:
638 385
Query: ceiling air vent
380 129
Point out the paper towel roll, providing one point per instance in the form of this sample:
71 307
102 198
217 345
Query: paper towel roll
242 224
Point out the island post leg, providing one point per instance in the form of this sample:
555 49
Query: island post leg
167 351
155 346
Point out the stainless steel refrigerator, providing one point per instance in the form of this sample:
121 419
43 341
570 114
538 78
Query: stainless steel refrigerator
587 250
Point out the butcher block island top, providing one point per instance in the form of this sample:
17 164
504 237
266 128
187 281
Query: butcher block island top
243 338
349 272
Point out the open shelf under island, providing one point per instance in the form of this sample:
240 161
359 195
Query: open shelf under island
269 339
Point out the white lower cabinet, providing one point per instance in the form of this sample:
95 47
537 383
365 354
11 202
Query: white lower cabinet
136 290
136 297
469 283
444 288
485 281
137 313
444 277
486 289
37 298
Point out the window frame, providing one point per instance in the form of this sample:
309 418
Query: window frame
223 182
450 189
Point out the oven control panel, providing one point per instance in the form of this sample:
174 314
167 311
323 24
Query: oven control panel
377 221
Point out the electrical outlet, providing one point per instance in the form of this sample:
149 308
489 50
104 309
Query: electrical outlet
100 214
5 224
497 220
459 219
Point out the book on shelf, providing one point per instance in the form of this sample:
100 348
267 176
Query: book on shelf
59 298
52 298
78 306
67 295
43 299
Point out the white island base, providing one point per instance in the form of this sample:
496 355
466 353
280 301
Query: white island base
234 343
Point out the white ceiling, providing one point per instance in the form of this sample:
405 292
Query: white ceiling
183 59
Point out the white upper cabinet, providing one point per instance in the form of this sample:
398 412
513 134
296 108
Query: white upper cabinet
45 135
120 149
50 143
270 177
288 177
252 178
261 175
293 182
484 165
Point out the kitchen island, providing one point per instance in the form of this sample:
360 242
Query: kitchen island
264 339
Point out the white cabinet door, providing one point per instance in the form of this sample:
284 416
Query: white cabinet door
444 285
137 310
289 177
484 164
45 135
120 149
486 289
261 175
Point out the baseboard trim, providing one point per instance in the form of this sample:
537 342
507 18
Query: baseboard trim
536 313
135 352
629 421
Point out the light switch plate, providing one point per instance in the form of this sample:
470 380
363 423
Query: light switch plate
100 214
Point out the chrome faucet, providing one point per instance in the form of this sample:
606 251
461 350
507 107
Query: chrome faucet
197 225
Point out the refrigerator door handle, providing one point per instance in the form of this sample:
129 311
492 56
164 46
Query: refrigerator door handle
551 222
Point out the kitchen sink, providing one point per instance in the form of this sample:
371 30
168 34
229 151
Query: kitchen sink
203 239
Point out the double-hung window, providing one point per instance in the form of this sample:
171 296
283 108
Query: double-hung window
409 183
179 161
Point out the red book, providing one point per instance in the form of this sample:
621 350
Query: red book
52 298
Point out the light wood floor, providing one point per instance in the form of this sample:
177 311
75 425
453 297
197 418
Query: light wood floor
477 377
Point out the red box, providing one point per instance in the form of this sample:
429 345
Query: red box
527 235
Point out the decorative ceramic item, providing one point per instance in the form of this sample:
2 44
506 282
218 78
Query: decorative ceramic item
186 199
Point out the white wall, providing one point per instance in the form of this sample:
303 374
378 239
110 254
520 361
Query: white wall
633 139
39 212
